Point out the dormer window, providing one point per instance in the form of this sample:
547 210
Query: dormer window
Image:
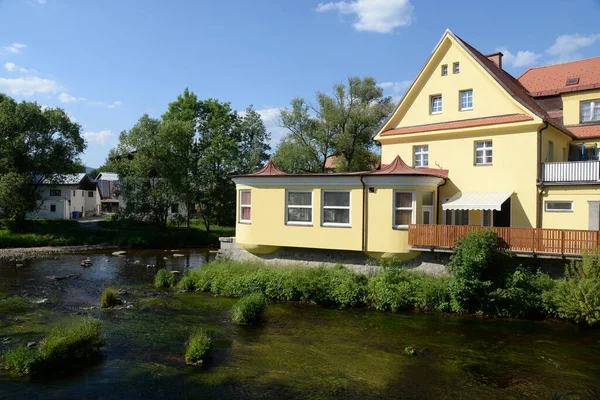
572 81
589 111
444 69
456 68
436 104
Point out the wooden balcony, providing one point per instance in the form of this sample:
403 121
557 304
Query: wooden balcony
571 171
561 242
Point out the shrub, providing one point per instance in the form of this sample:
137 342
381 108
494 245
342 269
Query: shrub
186 283
164 279
391 290
65 347
109 298
577 296
249 308
522 295
199 347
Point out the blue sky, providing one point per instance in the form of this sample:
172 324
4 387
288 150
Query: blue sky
107 62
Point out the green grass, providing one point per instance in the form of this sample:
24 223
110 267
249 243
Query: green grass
109 298
186 283
64 348
199 347
131 234
164 279
249 309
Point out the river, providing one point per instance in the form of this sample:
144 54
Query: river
299 351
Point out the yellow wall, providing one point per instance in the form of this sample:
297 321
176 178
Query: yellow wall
560 141
489 99
514 165
579 195
571 104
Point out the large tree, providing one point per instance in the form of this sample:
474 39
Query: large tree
37 146
341 124
254 141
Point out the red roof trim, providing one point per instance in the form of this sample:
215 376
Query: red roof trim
467 123
269 169
399 167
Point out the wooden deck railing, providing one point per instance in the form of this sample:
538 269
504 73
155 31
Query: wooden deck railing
522 240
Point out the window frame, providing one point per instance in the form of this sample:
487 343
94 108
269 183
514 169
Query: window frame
593 103
427 207
452 214
456 67
312 203
483 149
52 206
433 96
90 194
412 208
55 192
460 105
421 154
241 206
349 208
546 209
444 70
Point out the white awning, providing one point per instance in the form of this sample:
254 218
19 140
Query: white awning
477 201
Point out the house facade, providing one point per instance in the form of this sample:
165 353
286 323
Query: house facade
108 183
71 193
468 146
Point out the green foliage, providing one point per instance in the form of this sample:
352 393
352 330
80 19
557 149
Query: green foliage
249 308
410 351
65 347
478 265
38 145
577 296
342 127
109 298
164 279
199 347
522 294
186 283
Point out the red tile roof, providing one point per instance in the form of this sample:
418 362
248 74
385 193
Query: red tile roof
399 167
552 79
585 131
269 169
466 123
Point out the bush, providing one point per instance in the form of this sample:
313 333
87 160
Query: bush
65 347
522 295
109 298
249 309
577 296
199 347
186 283
164 279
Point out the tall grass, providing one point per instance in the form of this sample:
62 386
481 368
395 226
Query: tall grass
199 347
249 309
164 279
109 298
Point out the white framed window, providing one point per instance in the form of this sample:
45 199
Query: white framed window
427 208
298 204
558 206
466 100
436 104
245 206
456 68
421 156
483 152
455 217
404 209
487 218
336 208
444 69
589 111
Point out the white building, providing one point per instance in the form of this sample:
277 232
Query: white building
71 194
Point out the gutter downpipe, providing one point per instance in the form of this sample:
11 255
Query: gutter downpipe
437 209
538 222
364 215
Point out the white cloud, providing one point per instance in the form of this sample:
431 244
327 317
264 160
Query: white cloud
395 89
271 119
101 137
114 104
566 47
523 58
10 66
67 98
14 48
28 86
381 16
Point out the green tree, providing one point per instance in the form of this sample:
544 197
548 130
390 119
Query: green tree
341 124
37 146
254 142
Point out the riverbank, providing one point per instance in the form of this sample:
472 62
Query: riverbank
107 234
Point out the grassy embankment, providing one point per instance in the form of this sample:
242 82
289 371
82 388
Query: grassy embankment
117 233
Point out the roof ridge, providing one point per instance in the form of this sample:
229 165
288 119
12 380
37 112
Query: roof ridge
557 64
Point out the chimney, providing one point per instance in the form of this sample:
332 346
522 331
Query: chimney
496 58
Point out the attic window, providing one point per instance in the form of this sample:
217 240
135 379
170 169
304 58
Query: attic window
444 69
456 68
572 81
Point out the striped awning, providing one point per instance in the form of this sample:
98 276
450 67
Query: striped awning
477 201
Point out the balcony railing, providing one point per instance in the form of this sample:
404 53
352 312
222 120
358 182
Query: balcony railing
571 171
519 240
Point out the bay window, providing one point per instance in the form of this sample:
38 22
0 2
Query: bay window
404 207
245 206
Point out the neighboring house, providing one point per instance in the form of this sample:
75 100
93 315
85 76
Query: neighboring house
469 146
107 187
71 193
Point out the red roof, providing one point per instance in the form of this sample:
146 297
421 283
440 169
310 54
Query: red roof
399 167
585 131
466 123
552 79
269 169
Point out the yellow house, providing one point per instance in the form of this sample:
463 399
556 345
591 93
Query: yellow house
468 146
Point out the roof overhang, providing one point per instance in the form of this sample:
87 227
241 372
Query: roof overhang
477 201
330 180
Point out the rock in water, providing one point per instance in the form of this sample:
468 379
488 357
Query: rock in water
178 255
136 261
165 258
119 253
31 344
